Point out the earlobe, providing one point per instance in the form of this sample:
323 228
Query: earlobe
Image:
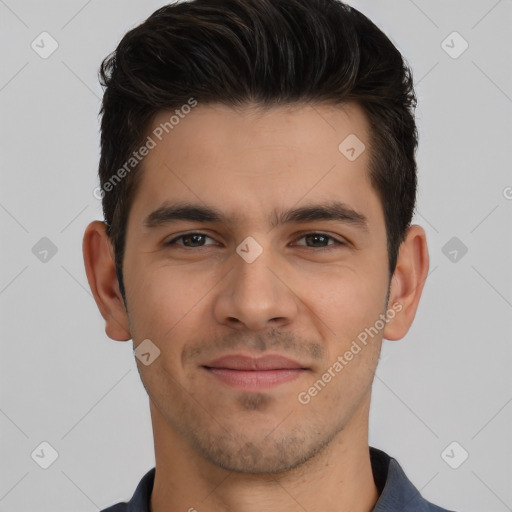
407 283
101 275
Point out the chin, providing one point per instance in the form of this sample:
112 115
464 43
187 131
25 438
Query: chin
261 454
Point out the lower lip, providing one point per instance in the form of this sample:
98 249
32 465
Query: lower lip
255 380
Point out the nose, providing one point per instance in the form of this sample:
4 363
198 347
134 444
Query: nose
256 295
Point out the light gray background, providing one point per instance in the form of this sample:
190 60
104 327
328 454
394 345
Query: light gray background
65 382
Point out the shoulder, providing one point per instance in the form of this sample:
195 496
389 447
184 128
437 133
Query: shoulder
119 507
396 491
140 499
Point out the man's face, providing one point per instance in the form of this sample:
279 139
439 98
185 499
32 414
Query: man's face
248 286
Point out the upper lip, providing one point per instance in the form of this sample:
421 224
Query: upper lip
240 362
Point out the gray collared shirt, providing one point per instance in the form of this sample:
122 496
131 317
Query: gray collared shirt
396 492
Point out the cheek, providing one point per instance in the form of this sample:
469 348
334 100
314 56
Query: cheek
346 301
348 309
164 310
162 301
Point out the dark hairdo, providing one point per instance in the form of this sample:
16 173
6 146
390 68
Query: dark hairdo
265 52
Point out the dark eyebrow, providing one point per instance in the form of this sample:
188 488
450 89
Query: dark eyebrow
168 213
333 210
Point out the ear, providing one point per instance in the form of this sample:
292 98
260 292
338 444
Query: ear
101 273
407 283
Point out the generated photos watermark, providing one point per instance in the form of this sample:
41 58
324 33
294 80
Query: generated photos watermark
151 142
305 397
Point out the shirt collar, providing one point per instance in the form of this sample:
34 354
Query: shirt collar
396 492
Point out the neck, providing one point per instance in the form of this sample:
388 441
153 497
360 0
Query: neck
339 478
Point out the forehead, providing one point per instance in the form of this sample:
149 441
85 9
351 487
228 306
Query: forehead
251 161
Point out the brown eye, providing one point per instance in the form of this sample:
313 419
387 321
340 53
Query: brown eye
190 240
317 240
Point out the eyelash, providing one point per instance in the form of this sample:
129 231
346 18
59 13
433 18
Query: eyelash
302 235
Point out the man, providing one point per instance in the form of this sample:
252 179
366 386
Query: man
258 181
